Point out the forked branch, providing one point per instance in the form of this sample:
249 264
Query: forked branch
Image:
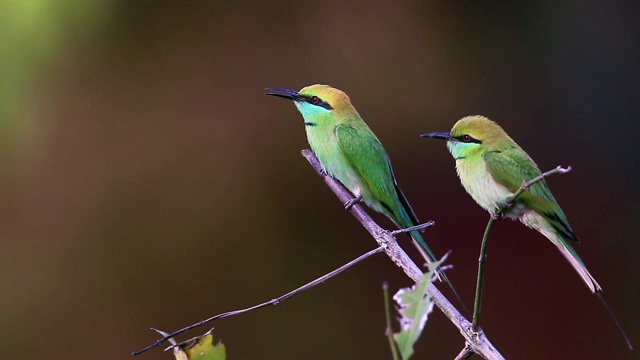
476 340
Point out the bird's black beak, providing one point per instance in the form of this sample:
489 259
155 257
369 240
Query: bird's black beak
284 93
439 135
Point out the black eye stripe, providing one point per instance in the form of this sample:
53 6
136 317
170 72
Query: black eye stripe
466 138
317 101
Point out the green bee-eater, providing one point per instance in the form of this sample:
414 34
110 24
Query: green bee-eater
492 167
351 153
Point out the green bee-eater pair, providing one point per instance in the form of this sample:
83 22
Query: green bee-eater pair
491 167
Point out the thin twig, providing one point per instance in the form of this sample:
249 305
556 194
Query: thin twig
527 184
477 340
479 283
492 219
387 314
419 227
275 301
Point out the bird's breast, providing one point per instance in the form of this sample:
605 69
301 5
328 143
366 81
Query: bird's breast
479 183
327 149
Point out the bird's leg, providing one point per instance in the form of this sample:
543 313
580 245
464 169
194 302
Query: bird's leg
497 216
350 203
499 212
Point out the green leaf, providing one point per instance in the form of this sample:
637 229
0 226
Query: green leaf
198 348
414 306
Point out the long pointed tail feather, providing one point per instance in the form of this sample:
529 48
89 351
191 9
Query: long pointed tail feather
540 223
615 320
575 261
578 265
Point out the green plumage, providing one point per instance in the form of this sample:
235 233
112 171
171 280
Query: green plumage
503 165
374 180
492 167
350 152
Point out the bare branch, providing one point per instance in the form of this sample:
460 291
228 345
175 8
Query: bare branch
276 301
477 340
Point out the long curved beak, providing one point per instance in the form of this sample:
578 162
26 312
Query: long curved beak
284 93
439 135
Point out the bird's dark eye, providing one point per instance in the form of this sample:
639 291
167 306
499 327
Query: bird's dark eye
466 138
315 100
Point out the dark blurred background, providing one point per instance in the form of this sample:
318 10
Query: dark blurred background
147 181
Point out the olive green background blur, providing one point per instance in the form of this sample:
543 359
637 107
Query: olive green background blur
146 181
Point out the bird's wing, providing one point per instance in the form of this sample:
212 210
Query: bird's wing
503 165
368 158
